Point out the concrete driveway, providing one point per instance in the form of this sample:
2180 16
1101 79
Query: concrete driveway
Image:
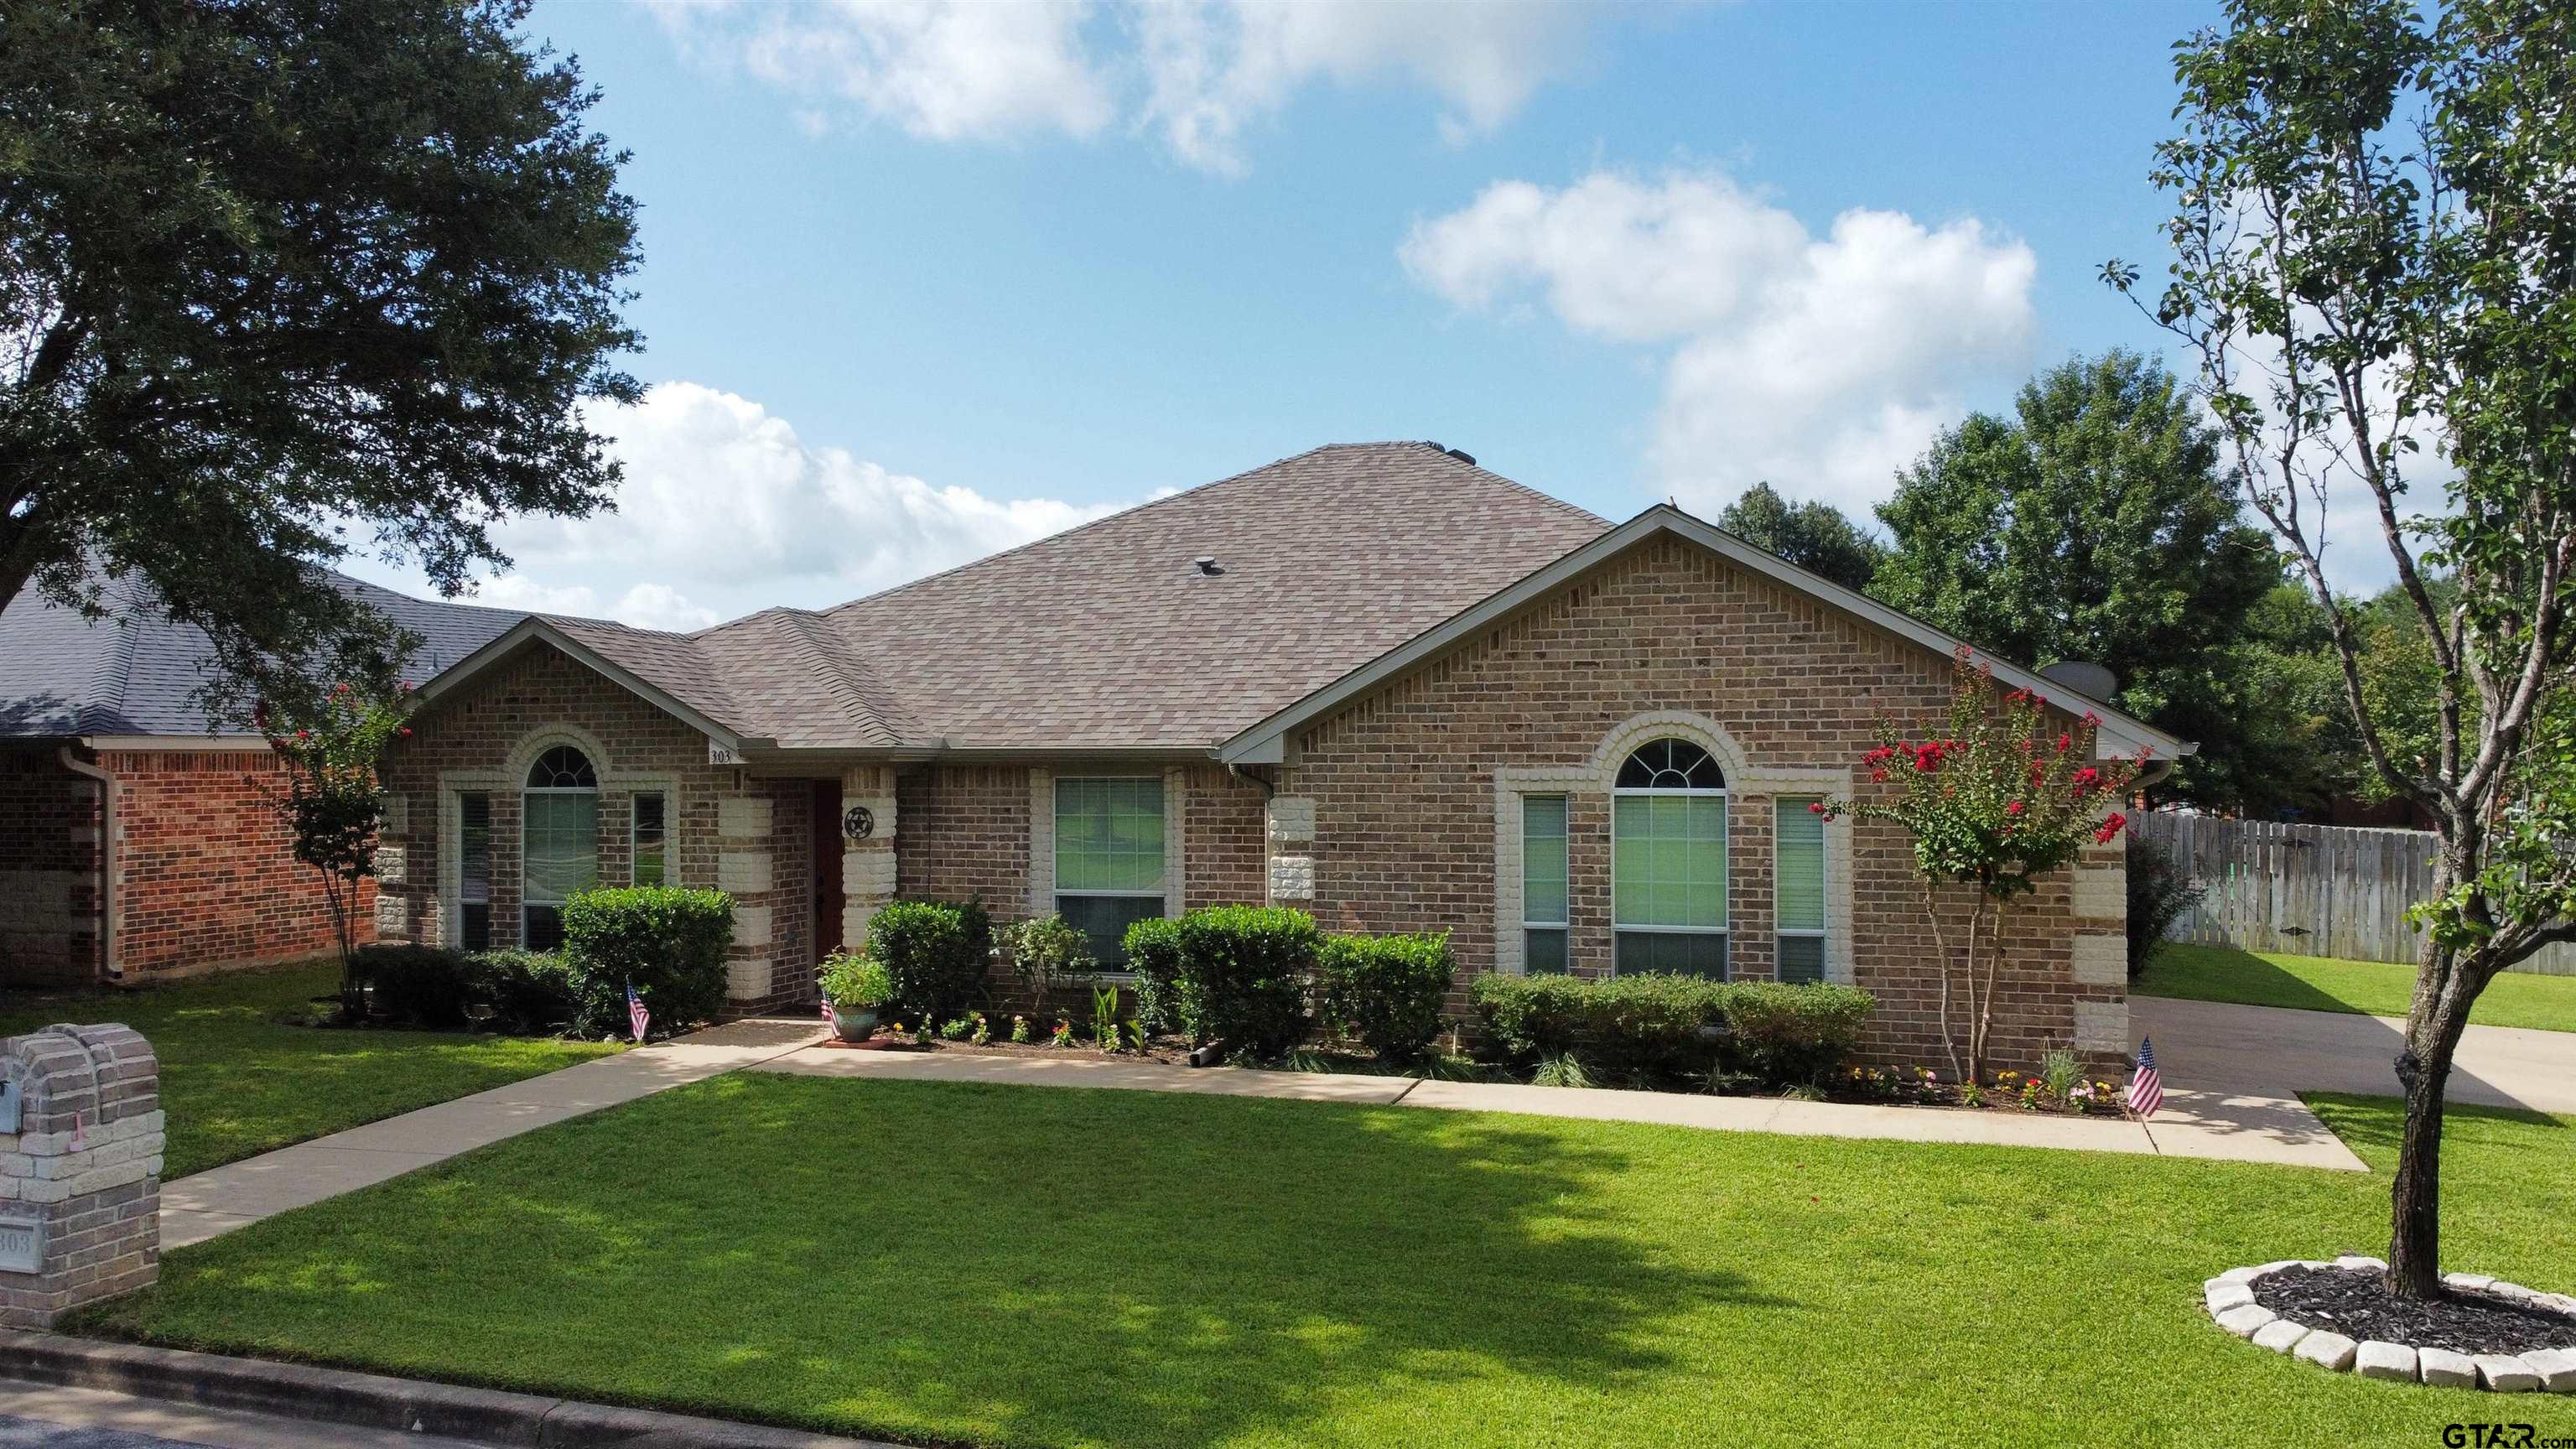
2267 1052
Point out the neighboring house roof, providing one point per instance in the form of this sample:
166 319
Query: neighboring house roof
135 673
1108 636
2121 734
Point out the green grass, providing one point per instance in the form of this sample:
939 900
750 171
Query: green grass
1012 1265
237 1082
2325 983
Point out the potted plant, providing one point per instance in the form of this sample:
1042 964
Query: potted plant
858 987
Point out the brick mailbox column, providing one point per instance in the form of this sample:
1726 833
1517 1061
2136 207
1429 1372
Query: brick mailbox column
80 1170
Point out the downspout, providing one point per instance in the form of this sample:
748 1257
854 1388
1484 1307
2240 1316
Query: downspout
1269 789
107 891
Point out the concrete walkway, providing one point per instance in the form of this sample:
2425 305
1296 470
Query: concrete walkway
221 1199
2269 1052
2193 1124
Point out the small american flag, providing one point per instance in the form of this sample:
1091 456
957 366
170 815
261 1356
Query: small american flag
636 1015
831 1021
2147 1088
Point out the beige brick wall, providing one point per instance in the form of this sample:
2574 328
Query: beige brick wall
1404 782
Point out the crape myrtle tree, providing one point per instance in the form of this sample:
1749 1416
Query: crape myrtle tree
332 801
2374 267
1993 800
280 279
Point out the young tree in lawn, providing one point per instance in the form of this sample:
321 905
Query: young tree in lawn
331 802
280 279
1996 802
2375 249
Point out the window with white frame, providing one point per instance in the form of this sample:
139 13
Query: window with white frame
1798 895
648 838
558 842
1108 858
1668 861
1543 883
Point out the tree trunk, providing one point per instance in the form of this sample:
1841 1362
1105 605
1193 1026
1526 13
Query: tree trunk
1941 943
2424 1069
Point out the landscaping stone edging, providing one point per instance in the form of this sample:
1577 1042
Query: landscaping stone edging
378 1401
2230 1299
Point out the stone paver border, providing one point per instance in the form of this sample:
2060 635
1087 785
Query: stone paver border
2230 1298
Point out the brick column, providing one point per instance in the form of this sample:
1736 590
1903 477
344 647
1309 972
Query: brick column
867 863
2101 952
1289 822
744 824
80 1170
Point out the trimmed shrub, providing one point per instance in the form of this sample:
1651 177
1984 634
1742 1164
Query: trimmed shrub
1650 1024
1793 1036
417 985
1244 975
1386 991
934 953
530 992
854 981
2159 894
1154 958
668 942
1047 954
1525 1017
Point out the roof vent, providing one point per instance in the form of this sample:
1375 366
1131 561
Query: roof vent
1462 455
1207 566
2090 680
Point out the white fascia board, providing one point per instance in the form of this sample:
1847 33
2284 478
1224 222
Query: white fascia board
1263 741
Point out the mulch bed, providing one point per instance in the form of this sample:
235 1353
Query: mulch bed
2352 1302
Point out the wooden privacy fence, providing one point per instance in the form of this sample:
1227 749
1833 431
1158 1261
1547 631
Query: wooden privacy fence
2312 890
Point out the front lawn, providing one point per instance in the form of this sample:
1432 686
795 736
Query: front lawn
1062 1267
236 1082
2325 983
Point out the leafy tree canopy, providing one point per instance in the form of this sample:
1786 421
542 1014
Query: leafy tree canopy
1813 535
280 279
2096 523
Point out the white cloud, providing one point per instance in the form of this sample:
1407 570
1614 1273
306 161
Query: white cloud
1199 72
1820 363
725 510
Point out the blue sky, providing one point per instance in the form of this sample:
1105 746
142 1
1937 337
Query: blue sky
923 281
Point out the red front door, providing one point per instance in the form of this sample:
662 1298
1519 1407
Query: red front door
828 898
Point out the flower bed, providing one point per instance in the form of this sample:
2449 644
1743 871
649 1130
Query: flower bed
2056 1088
2485 1335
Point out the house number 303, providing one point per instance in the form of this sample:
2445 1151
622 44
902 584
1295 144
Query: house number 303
858 823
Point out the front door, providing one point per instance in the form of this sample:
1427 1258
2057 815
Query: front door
828 897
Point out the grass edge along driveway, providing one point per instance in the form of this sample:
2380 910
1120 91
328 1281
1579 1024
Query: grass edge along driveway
236 1082
1016 1266
2325 983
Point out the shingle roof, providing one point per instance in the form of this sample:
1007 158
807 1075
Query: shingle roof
1107 636
135 672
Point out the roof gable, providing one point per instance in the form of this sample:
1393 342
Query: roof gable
1265 742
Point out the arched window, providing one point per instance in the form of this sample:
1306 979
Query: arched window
1668 860
558 842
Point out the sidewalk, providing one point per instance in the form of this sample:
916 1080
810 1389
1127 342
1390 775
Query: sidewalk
221 1199
2193 1124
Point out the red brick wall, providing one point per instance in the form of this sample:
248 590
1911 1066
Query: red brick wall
1404 780
963 831
209 876
48 871
1222 839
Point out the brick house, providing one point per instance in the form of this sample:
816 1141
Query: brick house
1375 682
137 842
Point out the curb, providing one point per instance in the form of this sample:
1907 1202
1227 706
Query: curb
376 1401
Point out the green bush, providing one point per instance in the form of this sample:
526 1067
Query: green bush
934 953
669 943
1650 1024
2159 895
1650 1027
1522 1018
530 992
1386 991
1154 957
1793 1036
417 985
1048 954
1244 975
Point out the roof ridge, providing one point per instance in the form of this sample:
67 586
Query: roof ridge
114 672
1128 512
